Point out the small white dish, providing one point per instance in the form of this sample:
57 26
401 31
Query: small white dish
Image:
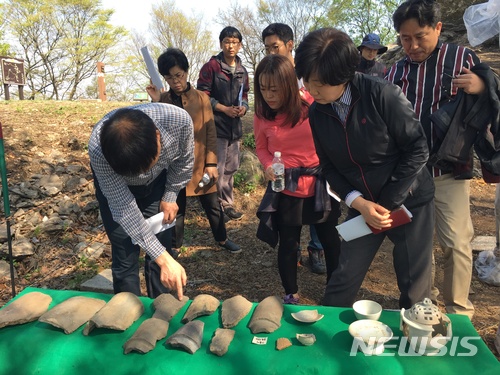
371 335
307 316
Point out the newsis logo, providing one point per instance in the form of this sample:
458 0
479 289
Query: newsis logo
418 346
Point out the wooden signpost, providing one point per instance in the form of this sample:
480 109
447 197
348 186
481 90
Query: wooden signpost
12 74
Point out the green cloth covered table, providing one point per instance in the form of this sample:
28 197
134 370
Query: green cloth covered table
39 348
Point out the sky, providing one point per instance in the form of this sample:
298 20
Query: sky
133 14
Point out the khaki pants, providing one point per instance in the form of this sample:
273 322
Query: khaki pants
454 232
497 215
228 162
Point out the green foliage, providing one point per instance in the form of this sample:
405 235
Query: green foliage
244 183
301 15
37 231
171 27
360 17
249 141
85 270
4 47
61 40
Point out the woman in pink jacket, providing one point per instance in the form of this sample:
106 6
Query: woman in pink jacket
281 124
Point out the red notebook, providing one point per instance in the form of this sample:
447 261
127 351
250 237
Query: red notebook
399 217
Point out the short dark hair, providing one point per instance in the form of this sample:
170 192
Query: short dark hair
230 32
426 12
170 58
279 70
281 30
329 54
129 142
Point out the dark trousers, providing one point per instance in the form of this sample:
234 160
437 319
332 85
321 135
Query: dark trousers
291 214
213 210
125 255
289 244
412 256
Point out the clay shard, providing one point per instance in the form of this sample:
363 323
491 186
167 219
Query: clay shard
119 313
267 315
283 343
188 337
221 340
203 304
167 306
27 308
72 313
234 309
146 336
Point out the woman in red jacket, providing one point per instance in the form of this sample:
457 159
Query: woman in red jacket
281 124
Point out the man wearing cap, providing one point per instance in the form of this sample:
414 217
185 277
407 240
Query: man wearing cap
369 49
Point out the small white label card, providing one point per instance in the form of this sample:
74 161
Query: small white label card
259 340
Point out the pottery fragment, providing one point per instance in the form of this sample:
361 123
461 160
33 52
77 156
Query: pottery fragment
267 315
27 308
119 313
146 336
234 309
188 337
221 340
72 313
203 304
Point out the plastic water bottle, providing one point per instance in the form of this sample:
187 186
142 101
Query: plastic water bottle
279 173
204 180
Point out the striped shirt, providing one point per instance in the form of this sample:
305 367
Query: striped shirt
342 106
428 84
176 157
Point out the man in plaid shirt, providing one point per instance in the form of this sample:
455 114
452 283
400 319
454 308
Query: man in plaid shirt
141 156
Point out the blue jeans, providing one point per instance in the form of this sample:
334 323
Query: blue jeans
125 262
314 242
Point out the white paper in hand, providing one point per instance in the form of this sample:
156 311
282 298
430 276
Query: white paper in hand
153 73
156 224
353 228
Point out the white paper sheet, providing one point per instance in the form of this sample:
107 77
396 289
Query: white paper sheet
153 73
357 227
156 224
353 228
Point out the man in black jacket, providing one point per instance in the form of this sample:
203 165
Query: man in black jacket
225 80
373 153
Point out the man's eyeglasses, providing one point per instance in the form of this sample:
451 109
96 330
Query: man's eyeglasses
228 43
273 49
176 77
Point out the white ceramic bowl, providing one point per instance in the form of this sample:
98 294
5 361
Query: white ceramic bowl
366 309
370 335
307 316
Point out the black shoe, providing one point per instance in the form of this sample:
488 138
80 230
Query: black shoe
317 260
231 246
233 214
227 219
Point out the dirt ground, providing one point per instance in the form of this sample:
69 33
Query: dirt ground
34 130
